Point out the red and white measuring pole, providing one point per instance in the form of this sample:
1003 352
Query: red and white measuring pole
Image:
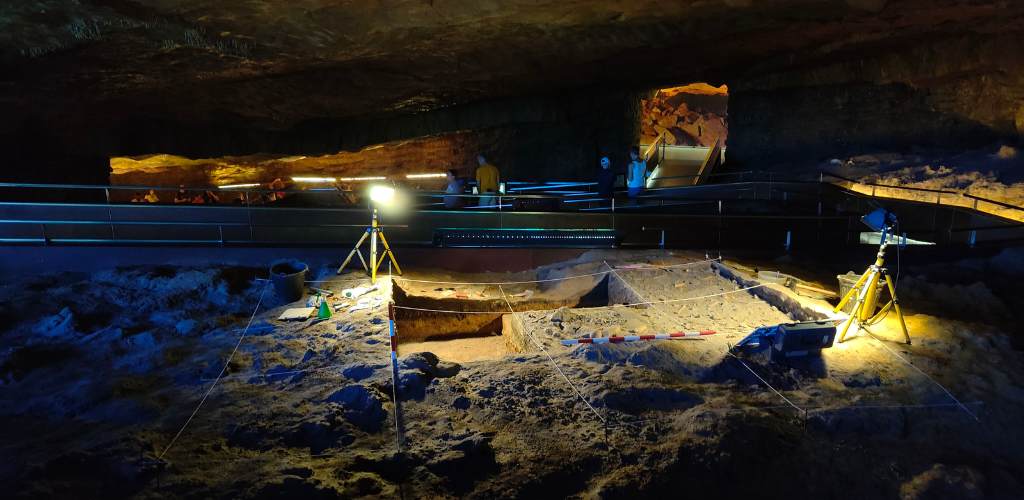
638 338
394 376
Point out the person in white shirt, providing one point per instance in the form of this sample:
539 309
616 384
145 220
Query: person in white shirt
636 173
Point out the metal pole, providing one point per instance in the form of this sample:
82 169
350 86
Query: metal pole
110 219
373 248
394 376
248 213
613 210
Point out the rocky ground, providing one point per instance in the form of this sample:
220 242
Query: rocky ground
100 373
993 172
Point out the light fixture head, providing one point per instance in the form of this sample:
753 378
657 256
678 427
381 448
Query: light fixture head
381 194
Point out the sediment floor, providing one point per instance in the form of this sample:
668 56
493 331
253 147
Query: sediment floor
169 382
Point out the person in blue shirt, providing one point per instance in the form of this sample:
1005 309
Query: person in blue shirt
456 186
636 173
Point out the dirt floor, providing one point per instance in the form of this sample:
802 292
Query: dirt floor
159 382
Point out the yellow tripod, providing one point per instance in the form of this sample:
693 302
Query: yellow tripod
866 293
373 232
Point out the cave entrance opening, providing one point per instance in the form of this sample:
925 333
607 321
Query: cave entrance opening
693 115
681 131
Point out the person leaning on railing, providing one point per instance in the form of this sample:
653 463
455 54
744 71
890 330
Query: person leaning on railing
456 186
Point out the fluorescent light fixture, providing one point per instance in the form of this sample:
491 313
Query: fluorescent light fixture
353 179
382 194
236 186
425 176
313 179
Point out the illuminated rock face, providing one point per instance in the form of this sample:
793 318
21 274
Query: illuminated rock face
84 81
395 160
691 115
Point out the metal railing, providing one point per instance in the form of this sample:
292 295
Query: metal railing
743 194
941 197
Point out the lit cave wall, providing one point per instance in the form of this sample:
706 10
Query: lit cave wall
687 115
556 137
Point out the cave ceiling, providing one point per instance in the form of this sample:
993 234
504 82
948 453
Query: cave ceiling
273 64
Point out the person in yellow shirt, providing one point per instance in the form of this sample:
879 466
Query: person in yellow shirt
486 181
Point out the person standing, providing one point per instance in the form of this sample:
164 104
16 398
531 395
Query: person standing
487 179
181 196
605 178
277 190
636 173
455 189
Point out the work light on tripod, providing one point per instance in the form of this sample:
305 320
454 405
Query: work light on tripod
381 196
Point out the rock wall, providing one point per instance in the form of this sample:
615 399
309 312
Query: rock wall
83 81
690 115
557 137
946 93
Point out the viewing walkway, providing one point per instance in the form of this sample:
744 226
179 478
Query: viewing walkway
743 209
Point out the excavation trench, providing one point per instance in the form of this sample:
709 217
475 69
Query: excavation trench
473 323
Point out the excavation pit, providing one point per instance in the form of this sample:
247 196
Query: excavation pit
465 323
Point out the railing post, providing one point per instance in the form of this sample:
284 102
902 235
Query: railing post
110 219
719 225
248 215
613 211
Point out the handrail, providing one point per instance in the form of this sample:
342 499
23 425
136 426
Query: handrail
652 147
926 190
713 158
772 177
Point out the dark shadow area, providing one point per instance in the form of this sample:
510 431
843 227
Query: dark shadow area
790 126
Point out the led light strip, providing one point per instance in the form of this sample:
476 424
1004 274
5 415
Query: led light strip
335 179
236 186
425 176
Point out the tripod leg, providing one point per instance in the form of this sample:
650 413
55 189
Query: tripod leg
869 279
846 326
355 250
853 290
361 259
389 253
896 305
881 312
